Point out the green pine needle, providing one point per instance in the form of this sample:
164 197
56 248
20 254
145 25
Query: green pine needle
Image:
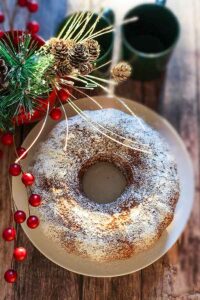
27 78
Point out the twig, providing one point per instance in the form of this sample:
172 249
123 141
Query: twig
28 17
6 11
12 19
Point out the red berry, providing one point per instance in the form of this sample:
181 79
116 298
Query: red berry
22 3
35 200
33 27
10 276
28 179
20 253
2 17
32 6
19 216
9 234
56 113
1 34
33 222
20 152
7 139
63 95
15 169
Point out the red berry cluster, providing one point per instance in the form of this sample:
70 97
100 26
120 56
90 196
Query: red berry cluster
28 179
32 6
9 234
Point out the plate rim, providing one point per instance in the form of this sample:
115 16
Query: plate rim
183 147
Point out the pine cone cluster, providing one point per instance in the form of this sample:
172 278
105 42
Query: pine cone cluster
70 56
3 74
121 72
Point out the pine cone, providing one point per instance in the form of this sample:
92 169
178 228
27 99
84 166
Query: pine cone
121 72
64 68
3 73
59 48
78 55
70 43
86 69
93 48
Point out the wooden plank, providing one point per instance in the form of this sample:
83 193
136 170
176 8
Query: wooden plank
119 288
176 276
6 249
38 277
41 279
131 90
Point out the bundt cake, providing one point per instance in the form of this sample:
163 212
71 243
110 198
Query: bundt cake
137 218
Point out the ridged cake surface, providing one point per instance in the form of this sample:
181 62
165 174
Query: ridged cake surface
117 230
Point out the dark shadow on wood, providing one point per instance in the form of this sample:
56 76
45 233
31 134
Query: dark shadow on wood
149 93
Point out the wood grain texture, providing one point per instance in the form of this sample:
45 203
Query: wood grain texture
176 275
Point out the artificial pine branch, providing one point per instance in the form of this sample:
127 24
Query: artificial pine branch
27 77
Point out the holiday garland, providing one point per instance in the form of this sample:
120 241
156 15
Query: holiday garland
35 81
23 81
27 75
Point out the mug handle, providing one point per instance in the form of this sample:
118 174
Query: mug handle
161 2
109 14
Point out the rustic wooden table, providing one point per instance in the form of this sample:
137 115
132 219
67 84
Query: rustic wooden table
177 274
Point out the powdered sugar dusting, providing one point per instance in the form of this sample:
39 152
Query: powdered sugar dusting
114 230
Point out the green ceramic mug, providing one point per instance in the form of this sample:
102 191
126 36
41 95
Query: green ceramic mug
149 42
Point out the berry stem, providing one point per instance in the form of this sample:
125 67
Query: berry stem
28 17
11 198
12 203
6 11
27 188
12 19
3 27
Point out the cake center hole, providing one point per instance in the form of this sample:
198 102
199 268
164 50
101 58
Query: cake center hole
103 182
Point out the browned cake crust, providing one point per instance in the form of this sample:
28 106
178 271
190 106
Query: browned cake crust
117 230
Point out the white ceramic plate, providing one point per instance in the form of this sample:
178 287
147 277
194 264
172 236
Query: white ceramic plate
84 266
